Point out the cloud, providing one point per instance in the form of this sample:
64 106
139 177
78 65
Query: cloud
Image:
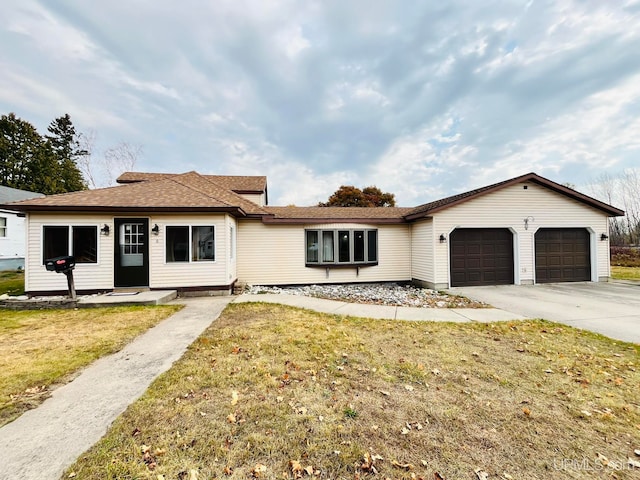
424 100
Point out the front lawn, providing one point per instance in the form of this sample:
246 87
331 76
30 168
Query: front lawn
625 273
12 282
41 348
276 392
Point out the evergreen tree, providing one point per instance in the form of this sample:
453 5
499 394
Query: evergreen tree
66 147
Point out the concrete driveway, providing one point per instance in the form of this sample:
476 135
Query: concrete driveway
612 309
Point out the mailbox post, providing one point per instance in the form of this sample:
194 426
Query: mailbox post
64 264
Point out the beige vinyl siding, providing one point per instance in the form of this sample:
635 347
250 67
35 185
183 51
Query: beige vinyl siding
189 274
422 251
87 276
275 254
507 208
257 198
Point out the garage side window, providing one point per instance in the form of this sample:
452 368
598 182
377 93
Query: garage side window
341 247
3 226
190 243
82 242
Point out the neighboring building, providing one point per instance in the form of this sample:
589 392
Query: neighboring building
195 232
12 238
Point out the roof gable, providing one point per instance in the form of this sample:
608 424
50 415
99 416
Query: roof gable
428 209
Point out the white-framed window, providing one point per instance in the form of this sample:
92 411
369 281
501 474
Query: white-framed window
81 241
341 247
3 227
185 243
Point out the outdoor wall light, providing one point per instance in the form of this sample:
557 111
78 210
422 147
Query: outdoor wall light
105 230
526 222
443 238
604 237
156 229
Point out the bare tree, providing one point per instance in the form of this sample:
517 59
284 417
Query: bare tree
623 191
101 170
119 159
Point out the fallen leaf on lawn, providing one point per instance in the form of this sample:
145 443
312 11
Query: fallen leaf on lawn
309 470
279 399
72 475
144 449
193 474
602 459
548 370
507 476
435 371
374 427
526 411
231 418
228 470
481 474
637 452
437 476
633 463
424 463
409 388
234 397
159 452
259 470
160 477
403 466
404 431
586 412
384 392
296 468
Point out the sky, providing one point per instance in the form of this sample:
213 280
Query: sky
423 99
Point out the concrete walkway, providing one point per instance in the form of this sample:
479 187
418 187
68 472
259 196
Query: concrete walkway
384 311
43 442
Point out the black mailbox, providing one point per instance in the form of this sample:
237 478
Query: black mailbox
60 264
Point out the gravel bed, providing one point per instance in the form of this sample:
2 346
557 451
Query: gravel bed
376 294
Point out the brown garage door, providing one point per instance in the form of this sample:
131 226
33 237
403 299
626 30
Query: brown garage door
562 255
481 256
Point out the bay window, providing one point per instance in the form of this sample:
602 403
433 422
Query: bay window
341 247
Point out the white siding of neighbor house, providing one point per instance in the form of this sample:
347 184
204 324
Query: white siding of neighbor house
88 276
422 251
100 276
507 208
13 244
275 254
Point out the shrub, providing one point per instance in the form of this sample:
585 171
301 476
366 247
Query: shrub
625 256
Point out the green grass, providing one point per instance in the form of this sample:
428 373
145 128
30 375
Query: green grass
12 282
277 392
39 349
625 273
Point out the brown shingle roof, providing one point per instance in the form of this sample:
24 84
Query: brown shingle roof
237 183
185 192
332 214
433 207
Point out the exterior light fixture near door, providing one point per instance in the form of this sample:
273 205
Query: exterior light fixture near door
443 238
105 230
156 229
604 237
526 222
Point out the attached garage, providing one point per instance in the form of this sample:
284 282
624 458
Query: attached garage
563 255
481 256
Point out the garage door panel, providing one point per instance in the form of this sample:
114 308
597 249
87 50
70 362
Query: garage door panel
562 255
481 256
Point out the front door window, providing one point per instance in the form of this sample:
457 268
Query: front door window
131 244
